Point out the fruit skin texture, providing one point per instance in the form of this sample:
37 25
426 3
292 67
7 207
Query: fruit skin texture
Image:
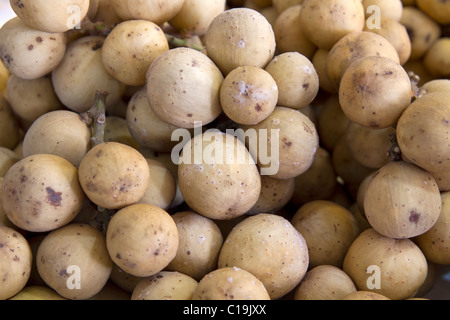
114 175
239 37
130 48
402 200
142 239
230 283
403 267
165 285
280 264
374 91
41 193
51 15
434 242
30 53
59 132
324 22
15 262
423 132
228 186
75 244
183 87
81 74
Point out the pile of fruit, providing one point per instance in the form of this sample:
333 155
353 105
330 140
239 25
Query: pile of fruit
212 149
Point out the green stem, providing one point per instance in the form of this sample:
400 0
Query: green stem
179 42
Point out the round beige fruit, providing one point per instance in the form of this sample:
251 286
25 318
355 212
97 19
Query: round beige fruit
73 261
230 283
393 268
15 262
114 175
41 193
183 88
218 167
239 37
142 239
270 248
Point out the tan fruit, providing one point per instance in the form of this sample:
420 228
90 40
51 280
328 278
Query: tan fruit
411 201
196 16
30 99
437 85
437 59
374 92
29 53
324 282
296 78
423 31
328 229
146 127
332 122
280 264
73 261
157 11
275 194
281 5
289 138
371 147
354 46
7 159
15 262
142 239
364 295
4 75
248 95
325 22
319 61
130 48
183 87
391 9
53 15
200 241
42 193
81 74
114 175
434 242
422 132
230 284
162 186
165 285
381 265
116 130
239 37
37 293
397 35
318 182
219 167
289 35
60 132
438 10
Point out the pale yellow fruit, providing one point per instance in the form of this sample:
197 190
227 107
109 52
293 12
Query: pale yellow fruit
230 284
165 285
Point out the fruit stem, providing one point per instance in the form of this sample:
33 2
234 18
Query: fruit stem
95 117
179 42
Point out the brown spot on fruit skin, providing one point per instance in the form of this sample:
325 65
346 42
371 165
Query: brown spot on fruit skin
53 197
414 217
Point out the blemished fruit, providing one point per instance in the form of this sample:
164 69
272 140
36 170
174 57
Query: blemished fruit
142 239
398 267
230 283
29 53
239 37
280 264
224 149
52 197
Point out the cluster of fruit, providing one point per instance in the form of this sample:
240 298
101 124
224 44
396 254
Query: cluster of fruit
314 160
